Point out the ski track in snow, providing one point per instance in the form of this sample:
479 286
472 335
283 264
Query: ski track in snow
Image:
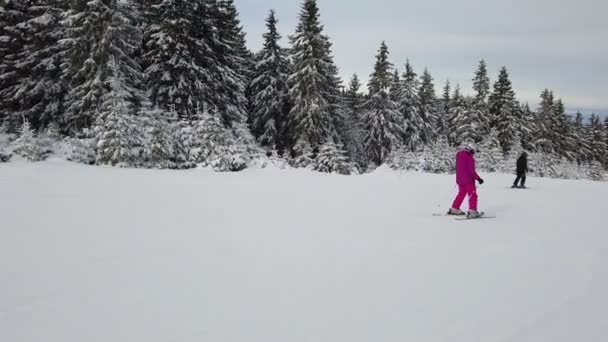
102 254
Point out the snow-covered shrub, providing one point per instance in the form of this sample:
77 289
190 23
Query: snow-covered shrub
120 138
50 138
218 147
158 147
304 155
211 138
333 159
158 150
596 171
490 156
5 156
439 158
27 145
5 140
184 142
246 143
82 149
272 158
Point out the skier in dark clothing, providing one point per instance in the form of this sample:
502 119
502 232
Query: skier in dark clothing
522 169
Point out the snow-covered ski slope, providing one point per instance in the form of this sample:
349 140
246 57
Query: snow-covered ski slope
116 255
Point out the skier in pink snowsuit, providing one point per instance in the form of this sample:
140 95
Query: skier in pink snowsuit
466 176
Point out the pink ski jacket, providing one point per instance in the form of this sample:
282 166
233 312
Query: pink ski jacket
465 168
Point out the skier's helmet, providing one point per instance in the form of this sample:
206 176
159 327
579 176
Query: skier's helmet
470 147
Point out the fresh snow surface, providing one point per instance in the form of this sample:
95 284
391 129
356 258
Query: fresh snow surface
112 255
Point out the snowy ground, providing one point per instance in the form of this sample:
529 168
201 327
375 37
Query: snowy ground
111 255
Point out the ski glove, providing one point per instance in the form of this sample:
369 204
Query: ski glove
480 181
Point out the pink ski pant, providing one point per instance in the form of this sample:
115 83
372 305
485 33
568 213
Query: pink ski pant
464 191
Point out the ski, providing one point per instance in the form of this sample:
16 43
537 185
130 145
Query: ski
483 216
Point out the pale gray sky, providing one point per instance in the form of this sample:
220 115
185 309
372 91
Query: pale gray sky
554 44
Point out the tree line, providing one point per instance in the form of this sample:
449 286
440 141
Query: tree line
171 83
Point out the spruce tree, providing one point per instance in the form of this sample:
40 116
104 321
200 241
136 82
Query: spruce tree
503 108
545 124
409 107
428 110
481 86
269 91
382 123
464 124
606 141
101 38
564 137
12 44
527 128
443 114
396 89
27 145
354 101
333 158
159 146
491 152
41 88
599 148
119 138
235 62
120 131
313 81
180 52
583 141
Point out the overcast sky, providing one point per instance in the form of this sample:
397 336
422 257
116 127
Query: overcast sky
556 44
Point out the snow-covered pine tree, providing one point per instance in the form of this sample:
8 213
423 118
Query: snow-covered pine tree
235 62
83 147
565 142
503 108
481 86
27 145
354 102
446 99
312 82
100 33
50 137
439 157
596 171
606 141
12 43
491 153
180 53
212 139
41 88
464 124
409 107
332 158
545 133
269 91
216 145
443 112
158 150
119 139
527 128
336 109
599 148
395 91
428 110
583 150
305 156
185 142
383 125
120 131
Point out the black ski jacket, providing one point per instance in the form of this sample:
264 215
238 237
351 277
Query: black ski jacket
522 165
